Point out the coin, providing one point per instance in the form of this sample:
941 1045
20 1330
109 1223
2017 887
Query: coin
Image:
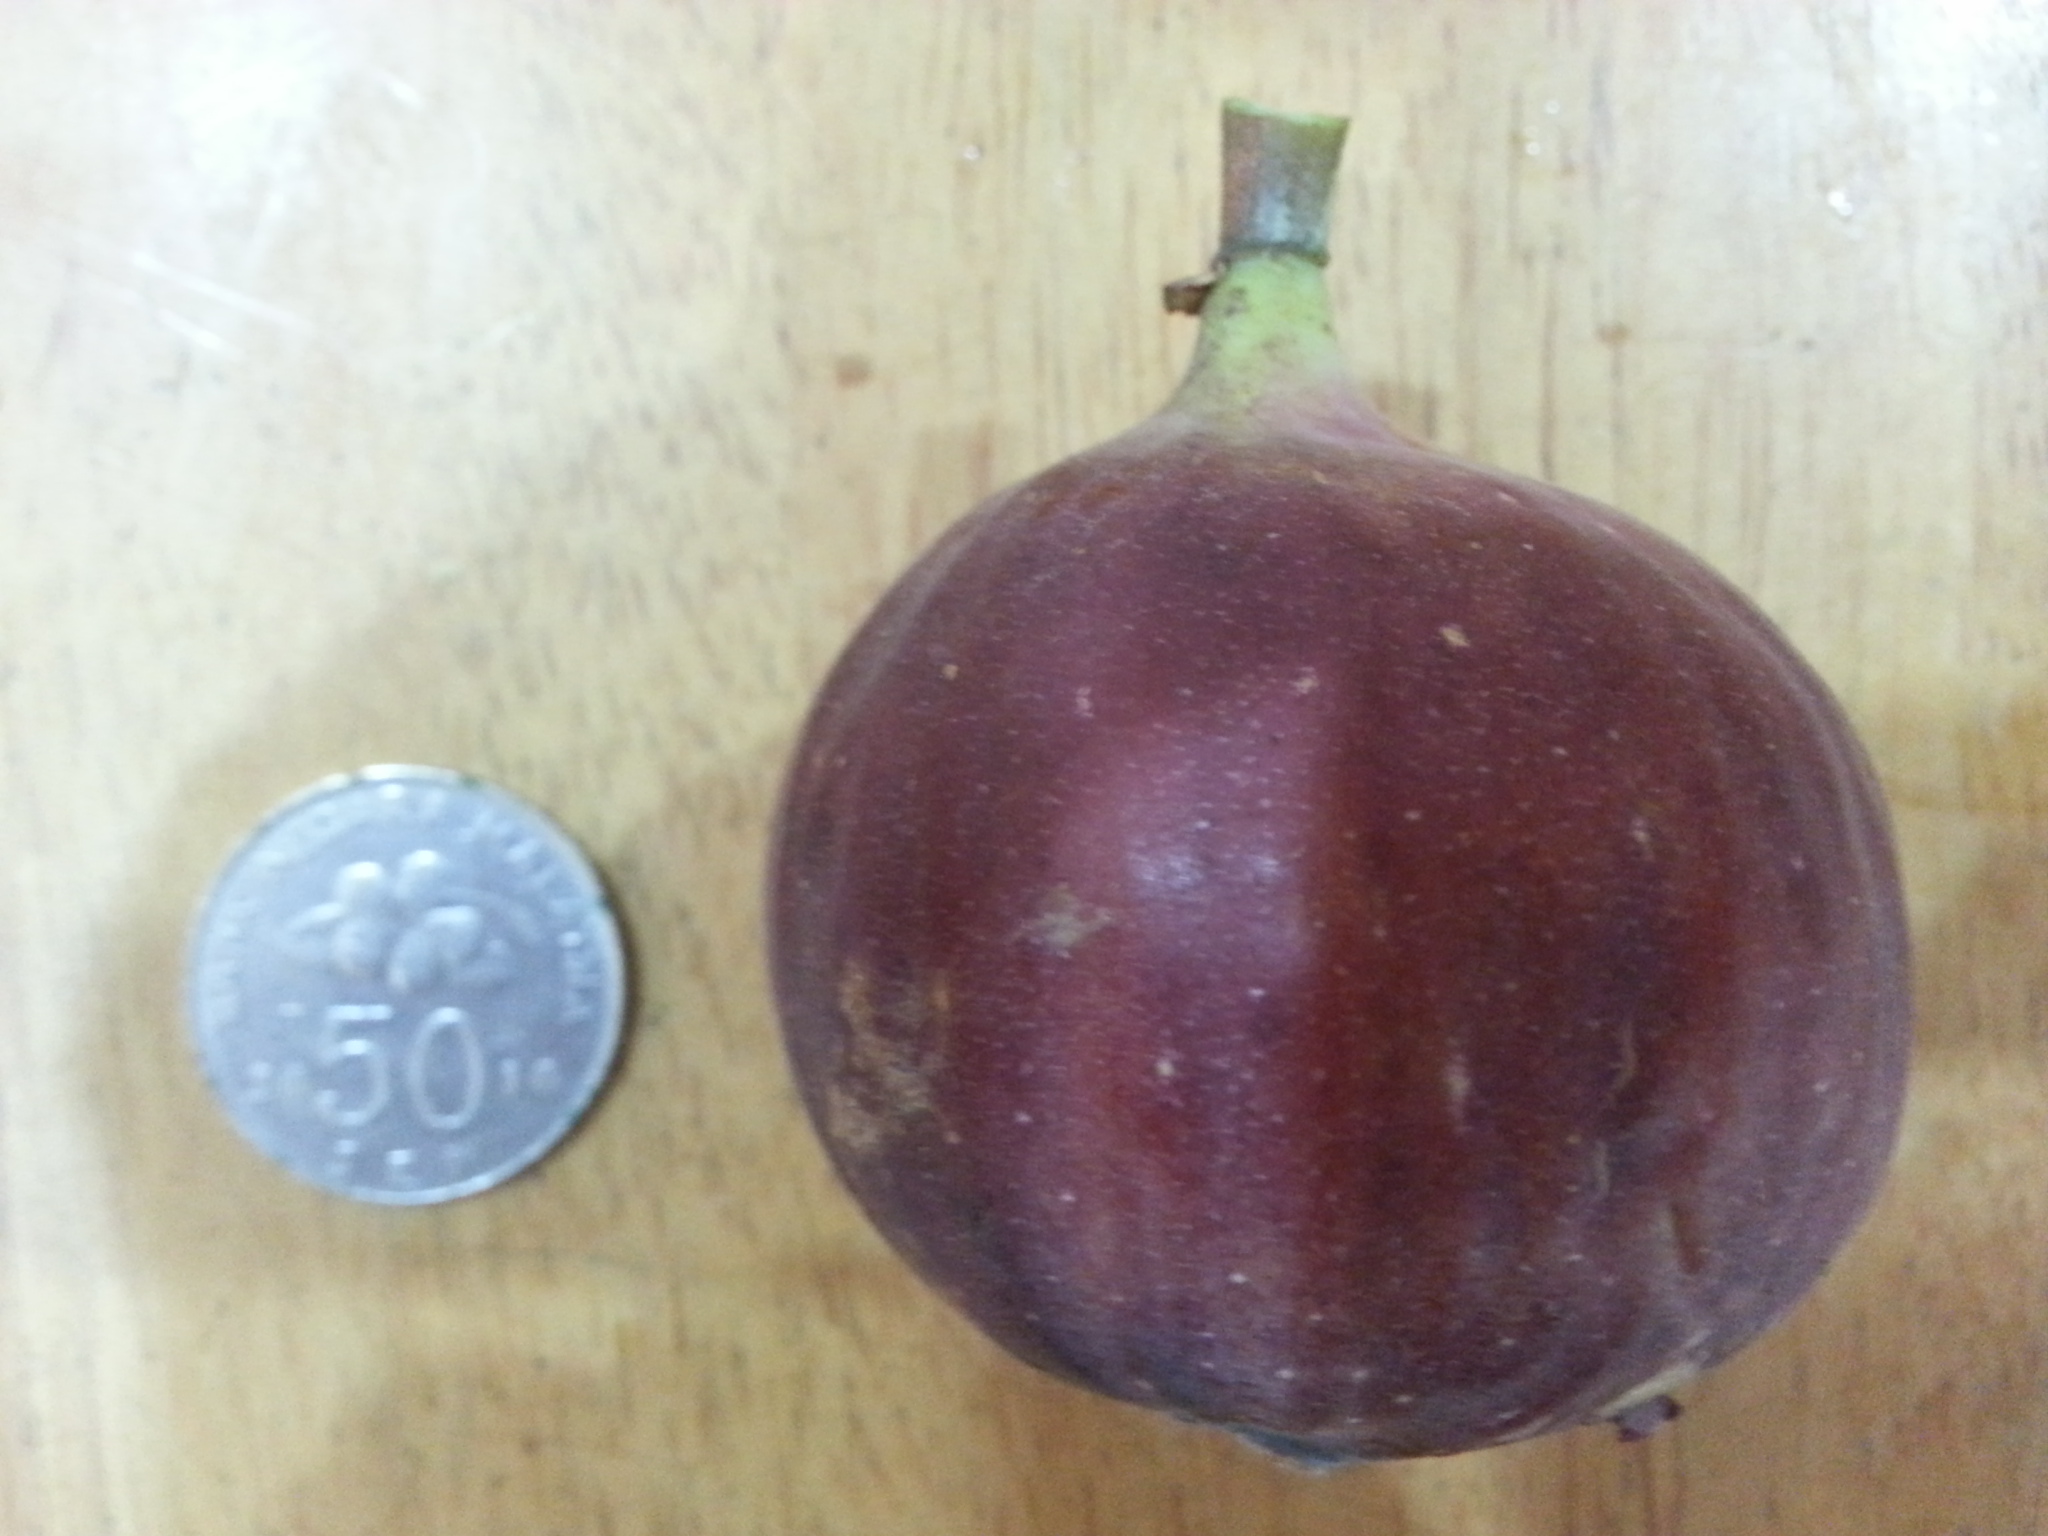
406 986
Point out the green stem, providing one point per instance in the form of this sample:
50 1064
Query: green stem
1278 171
1266 331
1268 352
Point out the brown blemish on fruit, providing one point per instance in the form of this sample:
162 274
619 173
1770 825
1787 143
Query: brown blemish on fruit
857 1001
886 1062
1603 1170
1066 922
1687 1243
1630 1061
849 1123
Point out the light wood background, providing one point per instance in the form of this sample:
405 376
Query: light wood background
544 388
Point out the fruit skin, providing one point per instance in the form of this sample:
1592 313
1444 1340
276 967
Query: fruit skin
1339 943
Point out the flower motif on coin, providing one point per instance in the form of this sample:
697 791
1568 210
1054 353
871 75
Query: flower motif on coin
410 927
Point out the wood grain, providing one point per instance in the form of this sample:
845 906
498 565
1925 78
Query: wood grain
543 387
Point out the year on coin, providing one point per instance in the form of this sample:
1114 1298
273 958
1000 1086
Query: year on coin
406 986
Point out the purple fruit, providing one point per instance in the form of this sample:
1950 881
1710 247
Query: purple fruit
1296 930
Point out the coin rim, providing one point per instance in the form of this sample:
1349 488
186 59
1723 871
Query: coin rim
603 917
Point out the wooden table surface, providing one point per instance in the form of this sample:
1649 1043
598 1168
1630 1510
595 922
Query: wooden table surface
543 388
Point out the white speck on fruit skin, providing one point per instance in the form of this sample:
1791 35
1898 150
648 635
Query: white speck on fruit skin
1164 1066
1308 681
1084 704
1454 637
1458 1083
1171 870
1064 922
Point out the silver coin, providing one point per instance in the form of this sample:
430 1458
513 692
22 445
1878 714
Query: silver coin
406 986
